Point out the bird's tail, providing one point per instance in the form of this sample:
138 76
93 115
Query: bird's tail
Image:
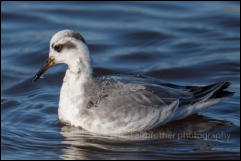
213 91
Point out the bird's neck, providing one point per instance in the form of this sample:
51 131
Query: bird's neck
80 70
76 77
72 96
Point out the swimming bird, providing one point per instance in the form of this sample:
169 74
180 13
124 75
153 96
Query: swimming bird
120 104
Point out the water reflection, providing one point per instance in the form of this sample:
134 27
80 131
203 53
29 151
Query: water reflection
84 145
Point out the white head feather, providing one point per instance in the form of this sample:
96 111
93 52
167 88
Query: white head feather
69 47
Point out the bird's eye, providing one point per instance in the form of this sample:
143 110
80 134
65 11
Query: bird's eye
58 48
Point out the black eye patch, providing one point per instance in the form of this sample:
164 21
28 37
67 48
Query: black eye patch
69 44
58 47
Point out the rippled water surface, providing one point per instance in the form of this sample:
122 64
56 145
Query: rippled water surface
182 43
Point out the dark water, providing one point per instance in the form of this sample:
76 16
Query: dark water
183 43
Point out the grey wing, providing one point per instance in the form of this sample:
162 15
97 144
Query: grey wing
133 91
142 105
142 95
134 106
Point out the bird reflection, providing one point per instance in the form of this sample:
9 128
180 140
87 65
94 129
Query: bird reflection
196 129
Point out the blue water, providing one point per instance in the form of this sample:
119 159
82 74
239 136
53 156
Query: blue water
185 43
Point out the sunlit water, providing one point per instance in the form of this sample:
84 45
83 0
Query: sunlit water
182 43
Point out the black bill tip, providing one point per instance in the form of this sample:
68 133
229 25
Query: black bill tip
48 64
35 78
